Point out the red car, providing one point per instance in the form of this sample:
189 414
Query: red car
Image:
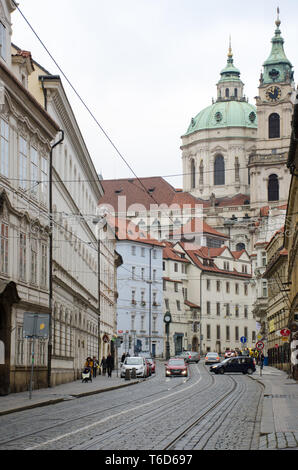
152 362
148 365
177 367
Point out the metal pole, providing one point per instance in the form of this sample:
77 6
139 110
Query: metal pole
32 369
150 299
99 276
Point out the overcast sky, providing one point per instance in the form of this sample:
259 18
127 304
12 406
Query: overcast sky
146 67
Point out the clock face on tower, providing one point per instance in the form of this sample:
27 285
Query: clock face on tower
273 94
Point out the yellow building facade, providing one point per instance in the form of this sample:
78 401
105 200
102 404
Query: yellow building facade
291 244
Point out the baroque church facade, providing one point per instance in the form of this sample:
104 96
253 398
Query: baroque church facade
235 163
234 154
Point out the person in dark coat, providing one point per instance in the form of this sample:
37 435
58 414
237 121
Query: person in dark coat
110 365
104 365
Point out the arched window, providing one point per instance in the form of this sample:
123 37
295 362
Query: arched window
227 93
201 173
236 92
193 174
274 126
273 188
219 171
240 246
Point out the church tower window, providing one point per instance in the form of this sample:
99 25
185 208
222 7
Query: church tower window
219 171
201 173
237 169
193 174
274 126
273 188
227 93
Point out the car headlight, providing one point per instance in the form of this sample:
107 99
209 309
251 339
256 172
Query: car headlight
184 372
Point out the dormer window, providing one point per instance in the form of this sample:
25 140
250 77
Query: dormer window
2 41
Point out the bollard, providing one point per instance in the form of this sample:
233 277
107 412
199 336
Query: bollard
134 373
127 374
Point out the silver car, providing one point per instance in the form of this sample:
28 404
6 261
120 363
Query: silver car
212 357
137 363
190 356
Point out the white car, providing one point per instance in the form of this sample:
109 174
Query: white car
212 357
137 363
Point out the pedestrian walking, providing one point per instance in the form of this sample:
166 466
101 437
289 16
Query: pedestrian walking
104 365
123 357
95 364
110 365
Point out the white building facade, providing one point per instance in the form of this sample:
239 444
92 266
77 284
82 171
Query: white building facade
140 297
27 136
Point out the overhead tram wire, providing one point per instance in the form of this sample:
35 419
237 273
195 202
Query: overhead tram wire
83 102
92 115
89 111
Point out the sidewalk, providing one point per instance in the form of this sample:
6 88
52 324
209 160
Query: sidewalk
47 396
279 419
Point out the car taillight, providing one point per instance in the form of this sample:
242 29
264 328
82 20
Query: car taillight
217 358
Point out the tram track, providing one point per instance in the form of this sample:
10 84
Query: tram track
145 413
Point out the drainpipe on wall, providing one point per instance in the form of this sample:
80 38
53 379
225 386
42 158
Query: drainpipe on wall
51 256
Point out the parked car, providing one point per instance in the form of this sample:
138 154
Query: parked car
153 365
212 357
137 363
190 356
176 366
244 364
148 365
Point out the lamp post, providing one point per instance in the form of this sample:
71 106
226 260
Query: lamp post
100 221
167 320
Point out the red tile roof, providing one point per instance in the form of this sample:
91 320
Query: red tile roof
170 253
190 304
146 192
203 253
127 230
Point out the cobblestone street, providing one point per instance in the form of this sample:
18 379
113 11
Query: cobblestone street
203 412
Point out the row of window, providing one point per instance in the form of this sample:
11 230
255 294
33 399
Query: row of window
140 274
220 179
32 167
143 299
227 287
30 251
228 309
237 334
142 323
143 251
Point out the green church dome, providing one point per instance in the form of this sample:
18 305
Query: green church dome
223 114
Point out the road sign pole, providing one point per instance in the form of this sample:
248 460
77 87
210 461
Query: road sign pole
32 369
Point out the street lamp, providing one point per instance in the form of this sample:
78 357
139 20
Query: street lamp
167 320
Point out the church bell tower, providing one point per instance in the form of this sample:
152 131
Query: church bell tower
269 176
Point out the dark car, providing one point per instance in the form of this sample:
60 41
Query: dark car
243 364
176 366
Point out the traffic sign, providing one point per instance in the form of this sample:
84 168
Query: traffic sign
285 332
243 340
260 345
